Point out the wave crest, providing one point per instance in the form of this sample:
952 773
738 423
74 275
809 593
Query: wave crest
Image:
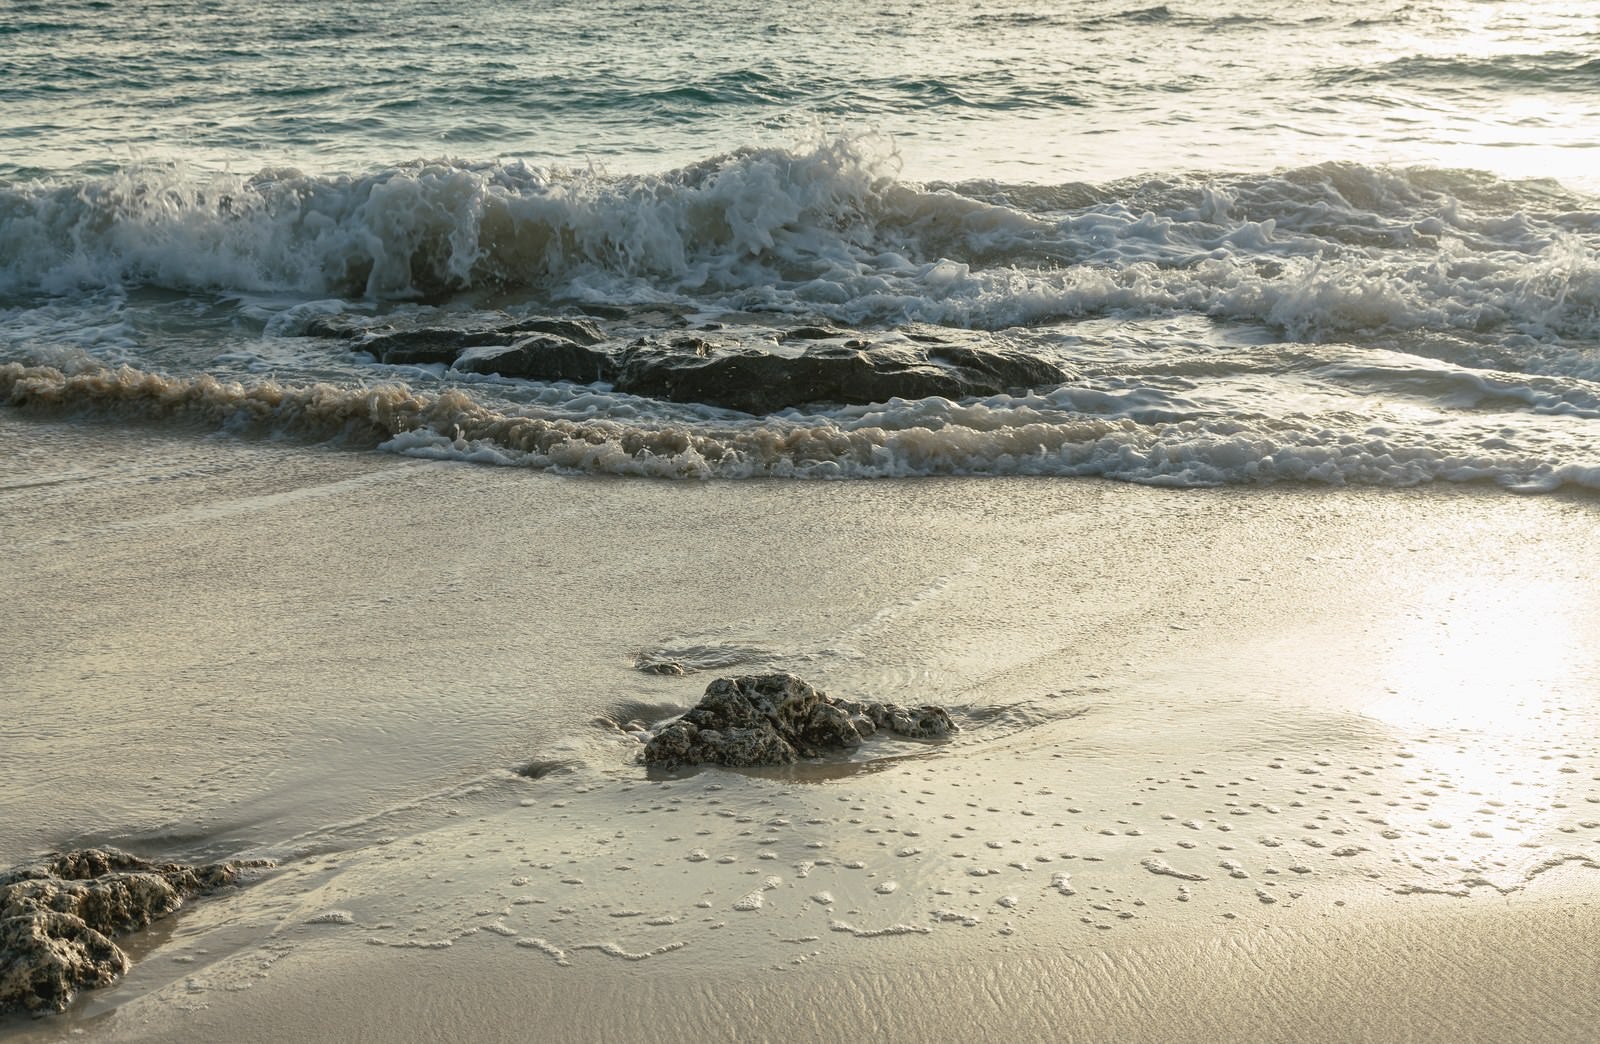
830 230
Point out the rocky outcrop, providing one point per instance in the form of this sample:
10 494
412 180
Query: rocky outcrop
445 344
57 919
854 373
804 365
777 719
542 358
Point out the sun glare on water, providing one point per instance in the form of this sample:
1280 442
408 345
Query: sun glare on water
1481 656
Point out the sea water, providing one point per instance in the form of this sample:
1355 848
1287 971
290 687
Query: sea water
1336 243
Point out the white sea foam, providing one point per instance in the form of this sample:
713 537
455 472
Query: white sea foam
1027 436
829 229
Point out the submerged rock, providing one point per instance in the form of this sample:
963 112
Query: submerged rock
776 719
834 366
756 381
445 344
57 919
546 357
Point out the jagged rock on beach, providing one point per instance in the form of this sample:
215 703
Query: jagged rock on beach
776 719
57 919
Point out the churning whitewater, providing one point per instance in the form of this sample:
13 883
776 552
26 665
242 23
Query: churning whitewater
1240 310
1337 323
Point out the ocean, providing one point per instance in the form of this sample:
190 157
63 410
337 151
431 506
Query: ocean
1346 243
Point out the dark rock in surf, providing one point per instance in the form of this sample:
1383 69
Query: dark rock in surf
337 327
542 358
427 345
756 381
776 719
813 333
444 344
991 371
816 365
57 919
580 331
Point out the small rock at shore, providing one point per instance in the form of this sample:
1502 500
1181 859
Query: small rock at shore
776 719
57 919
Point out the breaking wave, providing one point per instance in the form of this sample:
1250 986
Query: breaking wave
830 229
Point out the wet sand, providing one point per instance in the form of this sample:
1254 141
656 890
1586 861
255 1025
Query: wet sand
1297 763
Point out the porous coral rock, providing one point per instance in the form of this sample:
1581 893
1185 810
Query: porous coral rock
776 719
57 919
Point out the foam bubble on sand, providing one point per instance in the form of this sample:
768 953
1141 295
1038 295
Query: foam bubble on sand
887 887
955 916
697 855
1463 886
1459 891
823 898
613 950
877 933
1166 869
1061 881
1558 860
545 947
332 917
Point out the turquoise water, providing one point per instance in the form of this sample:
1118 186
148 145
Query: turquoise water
1340 243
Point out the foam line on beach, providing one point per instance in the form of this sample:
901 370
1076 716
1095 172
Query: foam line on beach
1024 441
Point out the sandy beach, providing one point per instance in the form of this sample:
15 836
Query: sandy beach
1294 763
